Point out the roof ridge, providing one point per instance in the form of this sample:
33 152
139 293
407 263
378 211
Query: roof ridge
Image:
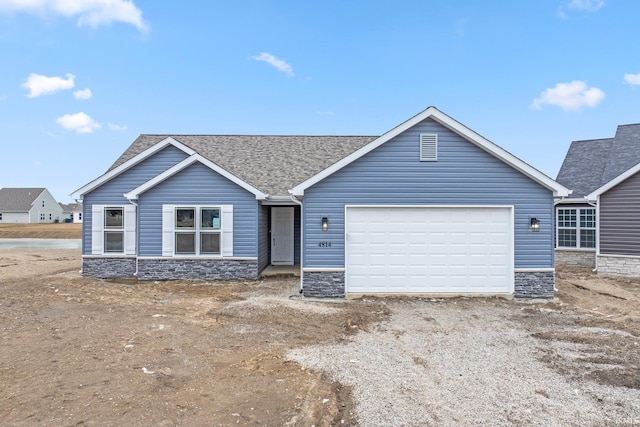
260 135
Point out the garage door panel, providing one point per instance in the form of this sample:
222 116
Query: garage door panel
429 250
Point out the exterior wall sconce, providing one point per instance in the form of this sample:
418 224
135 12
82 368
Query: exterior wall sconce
534 225
325 223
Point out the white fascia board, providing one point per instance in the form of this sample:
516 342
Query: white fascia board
129 164
437 115
615 181
133 194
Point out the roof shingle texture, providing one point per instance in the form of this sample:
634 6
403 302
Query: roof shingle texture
272 164
590 164
18 199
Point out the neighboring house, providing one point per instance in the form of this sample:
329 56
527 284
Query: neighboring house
72 211
430 207
598 226
28 205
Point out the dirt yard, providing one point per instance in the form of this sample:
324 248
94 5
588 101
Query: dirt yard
81 351
41 231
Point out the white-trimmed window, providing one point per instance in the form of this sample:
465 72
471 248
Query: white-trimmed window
197 230
42 217
576 228
113 230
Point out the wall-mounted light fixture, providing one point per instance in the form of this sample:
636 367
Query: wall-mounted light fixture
534 225
325 223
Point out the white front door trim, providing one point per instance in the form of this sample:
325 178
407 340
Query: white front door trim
282 234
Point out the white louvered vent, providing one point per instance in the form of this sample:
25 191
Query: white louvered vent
428 147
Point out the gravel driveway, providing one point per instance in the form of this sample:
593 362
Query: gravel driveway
473 362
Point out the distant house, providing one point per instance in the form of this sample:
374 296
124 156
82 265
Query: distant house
28 205
599 226
72 211
429 207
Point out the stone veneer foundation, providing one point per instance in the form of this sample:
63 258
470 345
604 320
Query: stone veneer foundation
170 268
533 284
573 258
323 284
619 265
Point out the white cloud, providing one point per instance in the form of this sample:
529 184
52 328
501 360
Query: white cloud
113 126
3 98
92 13
570 96
42 85
588 5
276 62
580 5
79 122
632 79
83 94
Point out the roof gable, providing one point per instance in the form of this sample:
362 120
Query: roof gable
593 196
127 164
455 126
18 199
591 164
195 158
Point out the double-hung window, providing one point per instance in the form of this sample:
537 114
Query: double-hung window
197 230
113 230
576 228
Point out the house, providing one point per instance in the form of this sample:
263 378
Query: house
72 211
597 226
430 207
28 205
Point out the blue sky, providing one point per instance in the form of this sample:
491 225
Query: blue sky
80 80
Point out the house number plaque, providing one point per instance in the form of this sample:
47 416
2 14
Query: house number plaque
324 244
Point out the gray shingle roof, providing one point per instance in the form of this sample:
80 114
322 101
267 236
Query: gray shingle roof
590 164
18 199
272 164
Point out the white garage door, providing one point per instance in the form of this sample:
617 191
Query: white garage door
459 250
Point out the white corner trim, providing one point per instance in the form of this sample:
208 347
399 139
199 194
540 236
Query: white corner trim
615 181
129 164
194 158
457 127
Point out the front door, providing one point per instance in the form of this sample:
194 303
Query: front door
282 236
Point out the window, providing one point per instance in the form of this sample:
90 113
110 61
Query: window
43 203
42 217
576 228
197 230
0 216
113 230
79 216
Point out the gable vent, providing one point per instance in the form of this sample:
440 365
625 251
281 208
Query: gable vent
428 147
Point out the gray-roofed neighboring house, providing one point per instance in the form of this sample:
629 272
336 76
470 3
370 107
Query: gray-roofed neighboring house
597 226
28 205
72 211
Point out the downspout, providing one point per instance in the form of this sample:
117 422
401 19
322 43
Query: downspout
597 206
295 200
135 273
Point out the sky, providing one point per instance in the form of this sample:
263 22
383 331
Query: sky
81 79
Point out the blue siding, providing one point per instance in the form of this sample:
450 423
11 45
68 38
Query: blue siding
463 175
112 191
198 185
263 237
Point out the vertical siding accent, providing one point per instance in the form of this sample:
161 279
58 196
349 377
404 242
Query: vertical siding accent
198 185
111 192
393 174
619 228
227 230
129 230
167 229
97 229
